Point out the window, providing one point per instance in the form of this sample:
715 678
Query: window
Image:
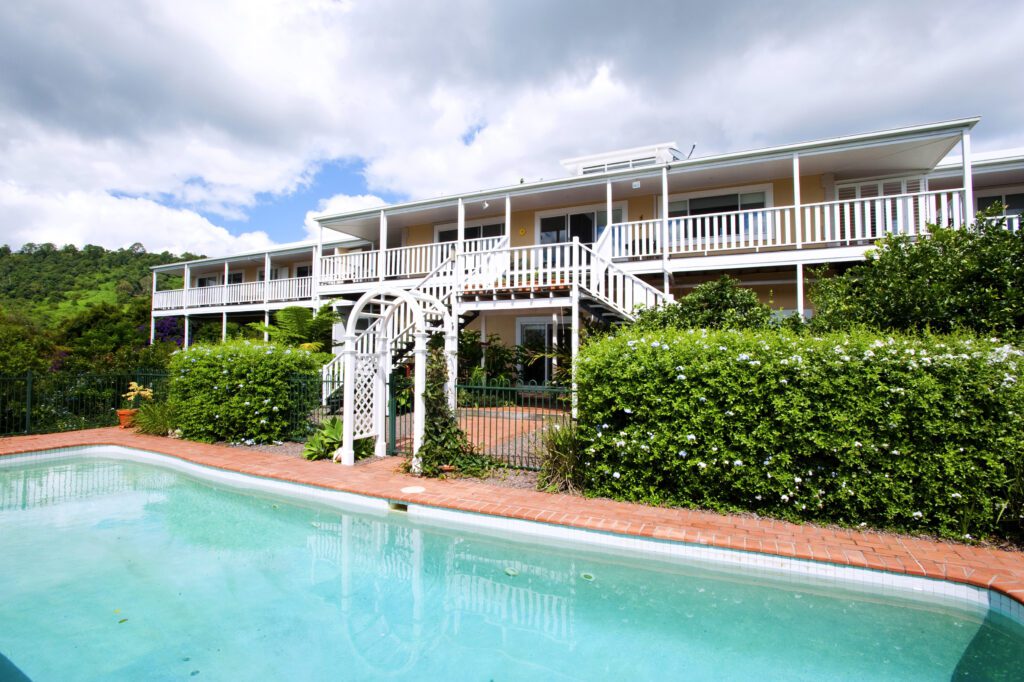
304 271
274 274
208 281
472 232
719 203
236 277
540 338
1014 203
587 225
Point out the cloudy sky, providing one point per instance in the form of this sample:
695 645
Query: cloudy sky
219 126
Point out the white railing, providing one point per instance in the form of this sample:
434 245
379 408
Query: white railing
416 260
832 223
246 292
205 296
295 288
604 280
483 244
348 267
866 220
171 298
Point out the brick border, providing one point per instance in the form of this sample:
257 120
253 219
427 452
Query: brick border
995 569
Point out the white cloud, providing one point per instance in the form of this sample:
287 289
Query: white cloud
186 106
339 203
79 217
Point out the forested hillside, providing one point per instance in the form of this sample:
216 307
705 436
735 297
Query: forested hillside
86 309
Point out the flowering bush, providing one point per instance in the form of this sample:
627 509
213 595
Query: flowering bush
243 391
914 434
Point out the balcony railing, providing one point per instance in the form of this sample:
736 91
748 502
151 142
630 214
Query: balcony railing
828 224
274 291
403 262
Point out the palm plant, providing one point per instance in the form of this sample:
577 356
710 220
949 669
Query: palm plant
300 327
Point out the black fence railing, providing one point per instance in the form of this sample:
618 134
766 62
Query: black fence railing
509 423
46 402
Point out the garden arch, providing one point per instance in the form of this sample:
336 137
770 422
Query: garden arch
390 318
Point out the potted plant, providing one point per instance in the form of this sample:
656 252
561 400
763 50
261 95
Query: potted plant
130 403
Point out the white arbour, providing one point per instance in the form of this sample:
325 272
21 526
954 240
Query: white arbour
398 317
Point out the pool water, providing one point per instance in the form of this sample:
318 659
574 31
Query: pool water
119 570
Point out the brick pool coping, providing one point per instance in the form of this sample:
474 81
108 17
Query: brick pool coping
995 569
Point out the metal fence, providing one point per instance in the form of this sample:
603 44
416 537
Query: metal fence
509 423
45 402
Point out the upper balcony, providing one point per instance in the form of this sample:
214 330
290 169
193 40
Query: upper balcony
247 293
407 262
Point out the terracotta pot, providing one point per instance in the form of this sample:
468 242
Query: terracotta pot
448 468
126 418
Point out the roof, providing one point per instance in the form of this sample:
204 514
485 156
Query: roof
280 249
910 135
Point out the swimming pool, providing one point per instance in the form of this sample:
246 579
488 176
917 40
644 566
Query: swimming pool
117 569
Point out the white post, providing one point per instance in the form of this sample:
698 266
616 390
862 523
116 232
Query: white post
797 218
460 262
575 343
508 218
483 340
664 229
224 289
380 406
800 289
419 386
152 319
266 320
965 149
185 340
223 326
554 330
266 277
318 264
451 352
382 252
608 203
184 295
347 452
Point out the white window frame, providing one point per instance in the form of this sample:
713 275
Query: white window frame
240 273
768 189
200 278
444 227
540 319
880 180
622 204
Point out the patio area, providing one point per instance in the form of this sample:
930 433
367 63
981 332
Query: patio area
985 567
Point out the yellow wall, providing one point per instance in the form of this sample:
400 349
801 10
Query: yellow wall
419 234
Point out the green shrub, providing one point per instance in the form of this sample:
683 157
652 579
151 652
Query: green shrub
720 304
971 279
326 440
560 461
155 418
244 391
444 443
913 434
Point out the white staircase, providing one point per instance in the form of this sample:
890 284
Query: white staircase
569 268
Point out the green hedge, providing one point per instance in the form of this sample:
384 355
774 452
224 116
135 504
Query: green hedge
244 391
921 435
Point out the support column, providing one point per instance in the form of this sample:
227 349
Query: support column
451 356
152 306
266 278
508 218
419 385
797 218
575 345
800 289
223 327
347 453
266 320
224 289
185 339
382 252
555 316
965 149
380 406
608 203
460 262
483 340
186 286
318 264
664 230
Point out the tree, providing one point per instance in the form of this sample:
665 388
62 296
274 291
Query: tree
719 304
301 327
971 279
23 345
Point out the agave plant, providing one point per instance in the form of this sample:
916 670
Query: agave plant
300 327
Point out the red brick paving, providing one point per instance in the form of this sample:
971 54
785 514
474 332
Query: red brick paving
996 569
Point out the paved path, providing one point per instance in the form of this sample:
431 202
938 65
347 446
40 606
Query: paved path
984 567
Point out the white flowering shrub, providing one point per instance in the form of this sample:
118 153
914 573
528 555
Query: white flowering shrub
912 434
243 391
